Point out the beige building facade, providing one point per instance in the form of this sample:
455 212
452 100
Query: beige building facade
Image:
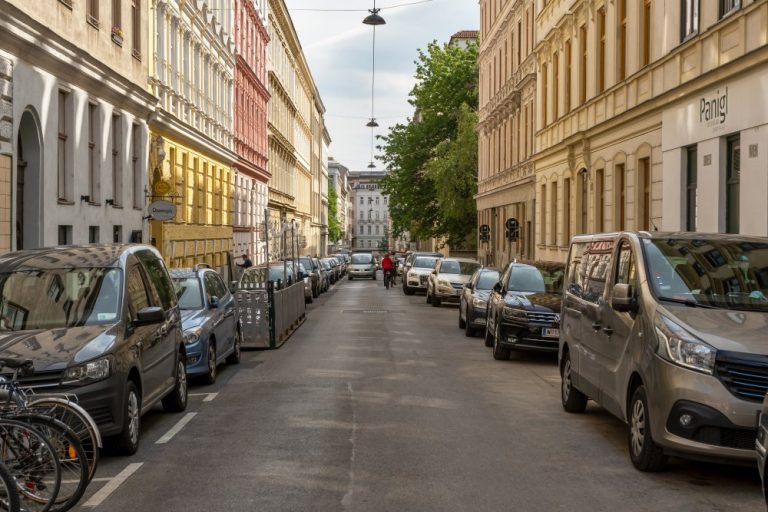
507 106
620 85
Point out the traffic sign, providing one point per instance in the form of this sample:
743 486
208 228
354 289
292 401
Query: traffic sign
511 224
485 229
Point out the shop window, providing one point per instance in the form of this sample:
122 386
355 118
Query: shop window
543 223
691 193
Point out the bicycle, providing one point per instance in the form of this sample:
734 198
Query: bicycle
388 278
9 493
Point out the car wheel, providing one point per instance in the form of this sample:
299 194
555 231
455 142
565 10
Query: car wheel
646 455
488 335
234 357
373 277
500 353
408 290
176 400
310 299
210 377
469 331
127 441
573 400
436 301
428 297
350 278
315 292
462 322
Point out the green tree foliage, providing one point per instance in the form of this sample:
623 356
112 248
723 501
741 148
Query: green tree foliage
432 161
334 226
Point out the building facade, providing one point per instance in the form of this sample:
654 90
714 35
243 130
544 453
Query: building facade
506 130
339 179
191 149
371 224
250 129
73 122
631 132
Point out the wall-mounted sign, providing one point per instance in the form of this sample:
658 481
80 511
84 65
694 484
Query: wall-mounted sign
162 210
161 188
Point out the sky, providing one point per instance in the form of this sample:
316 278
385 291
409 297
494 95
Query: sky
338 48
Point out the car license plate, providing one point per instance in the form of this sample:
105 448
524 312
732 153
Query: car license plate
550 333
480 321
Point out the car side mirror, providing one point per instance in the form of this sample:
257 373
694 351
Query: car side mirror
150 315
497 287
622 300
214 302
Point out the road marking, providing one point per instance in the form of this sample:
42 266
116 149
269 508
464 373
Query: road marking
112 485
208 396
337 374
176 428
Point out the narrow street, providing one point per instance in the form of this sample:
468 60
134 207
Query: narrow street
379 403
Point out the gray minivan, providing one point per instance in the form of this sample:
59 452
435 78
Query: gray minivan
669 332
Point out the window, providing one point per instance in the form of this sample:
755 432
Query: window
136 29
732 183
362 200
625 270
584 198
117 166
553 216
644 194
543 214
690 187
377 230
137 291
93 234
545 93
583 67
65 235
555 86
726 7
619 201
116 8
621 50
689 18
568 71
645 47
160 285
135 167
567 210
92 12
93 174
377 200
369 229
600 50
599 201
587 271
63 182
117 234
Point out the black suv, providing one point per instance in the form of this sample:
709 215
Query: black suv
524 309
100 322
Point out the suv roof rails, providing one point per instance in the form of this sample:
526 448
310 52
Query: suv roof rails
202 265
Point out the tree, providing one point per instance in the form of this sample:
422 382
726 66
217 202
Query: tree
334 226
430 159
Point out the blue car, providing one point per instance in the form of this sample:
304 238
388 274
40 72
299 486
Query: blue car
208 319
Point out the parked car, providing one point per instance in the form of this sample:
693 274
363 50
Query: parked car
473 304
314 275
362 264
208 319
100 322
761 446
342 262
323 278
400 259
667 331
448 278
418 273
304 276
332 275
524 309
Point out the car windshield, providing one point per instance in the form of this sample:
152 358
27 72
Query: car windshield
536 279
59 298
362 259
306 262
188 292
487 280
424 262
458 267
730 274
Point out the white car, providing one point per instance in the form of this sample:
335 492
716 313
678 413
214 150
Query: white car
418 273
447 280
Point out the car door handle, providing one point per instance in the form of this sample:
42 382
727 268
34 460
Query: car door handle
607 330
596 325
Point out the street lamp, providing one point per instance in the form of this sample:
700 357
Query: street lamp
371 165
374 18
372 123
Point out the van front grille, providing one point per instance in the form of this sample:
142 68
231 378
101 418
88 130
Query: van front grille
744 375
743 439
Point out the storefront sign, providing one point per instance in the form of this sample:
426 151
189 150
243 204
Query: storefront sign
714 109
162 210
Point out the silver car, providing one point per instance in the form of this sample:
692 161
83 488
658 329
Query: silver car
448 278
362 265
667 331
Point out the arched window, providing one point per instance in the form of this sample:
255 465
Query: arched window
584 201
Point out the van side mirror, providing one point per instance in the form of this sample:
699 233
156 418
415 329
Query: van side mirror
150 315
622 299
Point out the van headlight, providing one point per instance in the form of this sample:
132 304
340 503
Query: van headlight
92 371
683 348
192 335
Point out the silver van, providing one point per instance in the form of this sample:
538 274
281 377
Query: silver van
669 332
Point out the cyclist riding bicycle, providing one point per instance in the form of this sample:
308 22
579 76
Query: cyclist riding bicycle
388 267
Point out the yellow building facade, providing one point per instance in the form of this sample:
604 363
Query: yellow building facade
191 158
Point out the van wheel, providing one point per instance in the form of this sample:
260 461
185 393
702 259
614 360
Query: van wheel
572 399
645 454
176 400
499 353
127 441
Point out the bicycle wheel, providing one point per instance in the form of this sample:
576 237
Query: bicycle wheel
9 493
76 418
32 462
72 459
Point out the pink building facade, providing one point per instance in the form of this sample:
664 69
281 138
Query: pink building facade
250 128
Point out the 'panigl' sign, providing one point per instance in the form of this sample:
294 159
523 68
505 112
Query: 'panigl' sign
714 109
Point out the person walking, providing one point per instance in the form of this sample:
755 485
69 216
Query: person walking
246 262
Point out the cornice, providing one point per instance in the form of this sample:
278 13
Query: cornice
165 122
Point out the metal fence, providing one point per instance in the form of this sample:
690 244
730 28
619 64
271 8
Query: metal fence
288 311
253 311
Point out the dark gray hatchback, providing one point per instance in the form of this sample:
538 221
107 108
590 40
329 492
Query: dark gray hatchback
98 321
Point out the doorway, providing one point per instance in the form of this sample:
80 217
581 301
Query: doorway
28 224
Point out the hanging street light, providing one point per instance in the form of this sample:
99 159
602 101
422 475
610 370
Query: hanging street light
374 18
371 165
372 123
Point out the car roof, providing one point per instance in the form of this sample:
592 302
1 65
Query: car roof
182 273
666 235
71 256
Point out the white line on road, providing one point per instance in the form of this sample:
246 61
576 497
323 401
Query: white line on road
208 396
112 485
176 428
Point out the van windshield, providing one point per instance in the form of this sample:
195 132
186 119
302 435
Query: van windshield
730 274
59 298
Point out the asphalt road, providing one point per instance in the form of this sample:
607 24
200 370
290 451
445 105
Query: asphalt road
380 403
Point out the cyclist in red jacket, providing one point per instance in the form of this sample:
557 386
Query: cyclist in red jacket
388 266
